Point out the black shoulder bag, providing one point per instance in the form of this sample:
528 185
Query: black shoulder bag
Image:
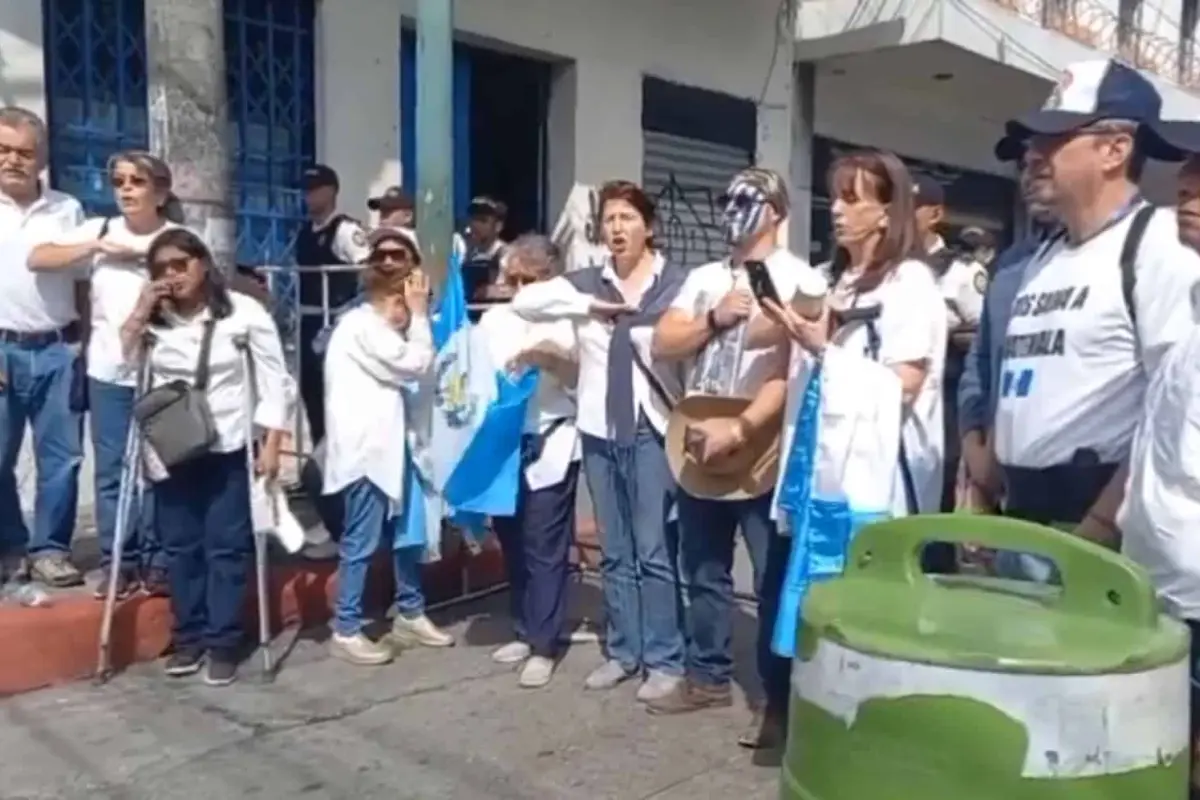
175 419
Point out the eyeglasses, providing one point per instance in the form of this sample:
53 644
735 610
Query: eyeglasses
165 265
391 255
133 181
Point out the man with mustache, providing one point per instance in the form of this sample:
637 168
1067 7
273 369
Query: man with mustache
1097 306
1162 503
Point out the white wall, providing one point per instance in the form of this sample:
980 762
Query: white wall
22 59
602 51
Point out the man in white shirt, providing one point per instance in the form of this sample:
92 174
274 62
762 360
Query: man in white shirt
328 239
1096 309
39 351
1159 515
708 312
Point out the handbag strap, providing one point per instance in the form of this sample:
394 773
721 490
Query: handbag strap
202 365
874 344
655 384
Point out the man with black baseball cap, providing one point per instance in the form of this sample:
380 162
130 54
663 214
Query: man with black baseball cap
1162 503
482 248
963 284
395 208
1097 306
327 239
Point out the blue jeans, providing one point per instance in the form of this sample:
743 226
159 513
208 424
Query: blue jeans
366 521
204 510
707 531
633 492
37 390
112 412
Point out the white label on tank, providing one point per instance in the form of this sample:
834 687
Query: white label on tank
1078 725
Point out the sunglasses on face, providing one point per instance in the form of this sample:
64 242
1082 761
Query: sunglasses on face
134 181
391 255
163 266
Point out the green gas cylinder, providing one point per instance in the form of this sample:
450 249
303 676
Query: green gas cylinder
908 686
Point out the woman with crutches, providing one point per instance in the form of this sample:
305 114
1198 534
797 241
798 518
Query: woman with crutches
209 351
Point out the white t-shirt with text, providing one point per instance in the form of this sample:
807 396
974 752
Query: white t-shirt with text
1074 371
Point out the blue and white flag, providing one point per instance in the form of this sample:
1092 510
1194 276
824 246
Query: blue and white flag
478 414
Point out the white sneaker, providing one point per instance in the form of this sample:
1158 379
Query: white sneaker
511 653
419 631
608 675
536 673
657 686
360 650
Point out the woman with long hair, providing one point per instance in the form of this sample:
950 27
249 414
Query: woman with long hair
202 504
110 251
537 539
624 400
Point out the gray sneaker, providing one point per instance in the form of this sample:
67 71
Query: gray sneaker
607 675
56 570
657 686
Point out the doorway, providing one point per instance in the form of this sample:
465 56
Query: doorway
500 106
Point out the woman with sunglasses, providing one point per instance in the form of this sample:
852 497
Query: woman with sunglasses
111 251
203 504
537 539
377 353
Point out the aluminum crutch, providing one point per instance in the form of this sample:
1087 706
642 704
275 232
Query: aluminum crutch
261 565
131 485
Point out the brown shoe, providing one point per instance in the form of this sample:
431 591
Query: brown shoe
154 582
126 585
56 570
767 730
691 696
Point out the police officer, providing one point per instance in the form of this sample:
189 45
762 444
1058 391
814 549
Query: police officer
482 247
328 238
395 208
963 283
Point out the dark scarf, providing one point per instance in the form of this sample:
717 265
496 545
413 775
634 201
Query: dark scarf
622 417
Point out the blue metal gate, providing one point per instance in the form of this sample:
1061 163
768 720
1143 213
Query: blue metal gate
96 98
269 47
96 91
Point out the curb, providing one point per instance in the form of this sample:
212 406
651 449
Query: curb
57 644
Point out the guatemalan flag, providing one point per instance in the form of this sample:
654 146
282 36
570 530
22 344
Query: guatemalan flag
478 415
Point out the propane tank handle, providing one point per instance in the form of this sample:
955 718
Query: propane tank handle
1095 581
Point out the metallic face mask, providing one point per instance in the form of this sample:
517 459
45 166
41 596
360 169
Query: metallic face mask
745 211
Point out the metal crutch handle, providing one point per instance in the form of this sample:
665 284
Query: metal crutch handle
261 566
131 479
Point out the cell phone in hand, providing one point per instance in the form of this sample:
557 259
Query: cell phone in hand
761 284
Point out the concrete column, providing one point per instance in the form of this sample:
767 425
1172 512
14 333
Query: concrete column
435 133
803 114
185 54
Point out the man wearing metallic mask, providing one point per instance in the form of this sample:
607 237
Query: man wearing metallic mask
705 325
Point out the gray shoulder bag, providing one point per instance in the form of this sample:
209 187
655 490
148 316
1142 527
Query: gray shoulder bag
175 418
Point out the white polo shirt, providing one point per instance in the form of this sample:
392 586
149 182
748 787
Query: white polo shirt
724 367
34 302
116 287
1074 370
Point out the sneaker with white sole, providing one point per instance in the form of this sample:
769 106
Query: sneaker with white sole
657 686
419 632
359 650
608 675
511 653
536 673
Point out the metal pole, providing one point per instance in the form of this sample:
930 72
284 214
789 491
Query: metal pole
435 134
185 54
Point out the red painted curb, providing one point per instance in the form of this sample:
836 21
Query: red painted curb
48 646
56 644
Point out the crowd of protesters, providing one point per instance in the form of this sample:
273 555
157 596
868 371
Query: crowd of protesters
1054 384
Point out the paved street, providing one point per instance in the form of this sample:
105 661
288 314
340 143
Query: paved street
432 726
